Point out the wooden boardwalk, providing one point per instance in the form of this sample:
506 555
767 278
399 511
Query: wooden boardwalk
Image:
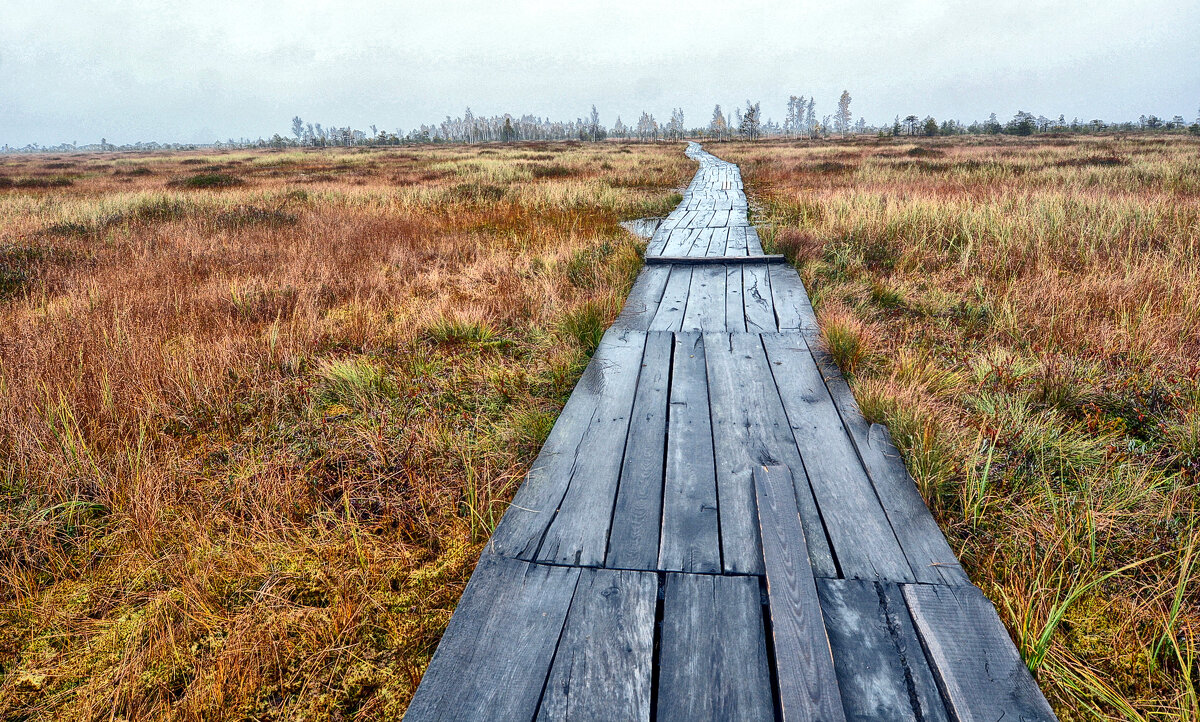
713 531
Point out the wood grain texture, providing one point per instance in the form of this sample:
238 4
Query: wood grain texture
979 671
735 308
881 668
713 652
633 542
493 659
751 429
793 311
756 295
862 537
808 687
602 669
520 531
674 300
690 539
642 302
706 300
578 532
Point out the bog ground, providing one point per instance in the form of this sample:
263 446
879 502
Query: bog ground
262 409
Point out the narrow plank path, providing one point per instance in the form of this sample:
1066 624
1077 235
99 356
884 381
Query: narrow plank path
713 531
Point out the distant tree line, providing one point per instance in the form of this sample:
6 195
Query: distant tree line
800 121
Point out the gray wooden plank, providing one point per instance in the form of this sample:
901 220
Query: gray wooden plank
633 542
929 556
642 302
760 308
578 532
808 686
520 531
858 527
710 260
977 668
713 657
706 300
493 659
719 219
717 242
753 244
690 538
735 307
737 240
881 668
792 309
674 300
678 241
751 429
602 669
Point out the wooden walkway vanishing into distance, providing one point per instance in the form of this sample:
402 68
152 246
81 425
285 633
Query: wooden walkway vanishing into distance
712 531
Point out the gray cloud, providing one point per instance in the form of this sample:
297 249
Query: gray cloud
140 70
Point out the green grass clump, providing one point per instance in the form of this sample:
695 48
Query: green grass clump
208 180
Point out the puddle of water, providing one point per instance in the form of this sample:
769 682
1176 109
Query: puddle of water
643 228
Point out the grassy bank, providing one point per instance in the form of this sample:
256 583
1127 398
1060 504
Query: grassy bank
1025 315
260 410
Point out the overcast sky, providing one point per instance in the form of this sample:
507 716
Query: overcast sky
128 70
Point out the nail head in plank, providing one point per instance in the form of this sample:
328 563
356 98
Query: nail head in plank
808 687
493 659
602 669
979 671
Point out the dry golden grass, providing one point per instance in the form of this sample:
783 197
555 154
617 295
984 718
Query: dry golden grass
1025 315
260 409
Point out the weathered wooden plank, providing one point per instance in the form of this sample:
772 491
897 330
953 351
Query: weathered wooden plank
977 668
859 530
929 556
690 540
719 219
520 531
735 307
642 302
737 241
751 429
881 668
753 244
578 533
706 300
713 260
792 309
674 300
633 542
493 659
717 243
679 240
603 665
713 658
756 294
808 686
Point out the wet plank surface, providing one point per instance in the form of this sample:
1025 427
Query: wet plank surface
713 531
